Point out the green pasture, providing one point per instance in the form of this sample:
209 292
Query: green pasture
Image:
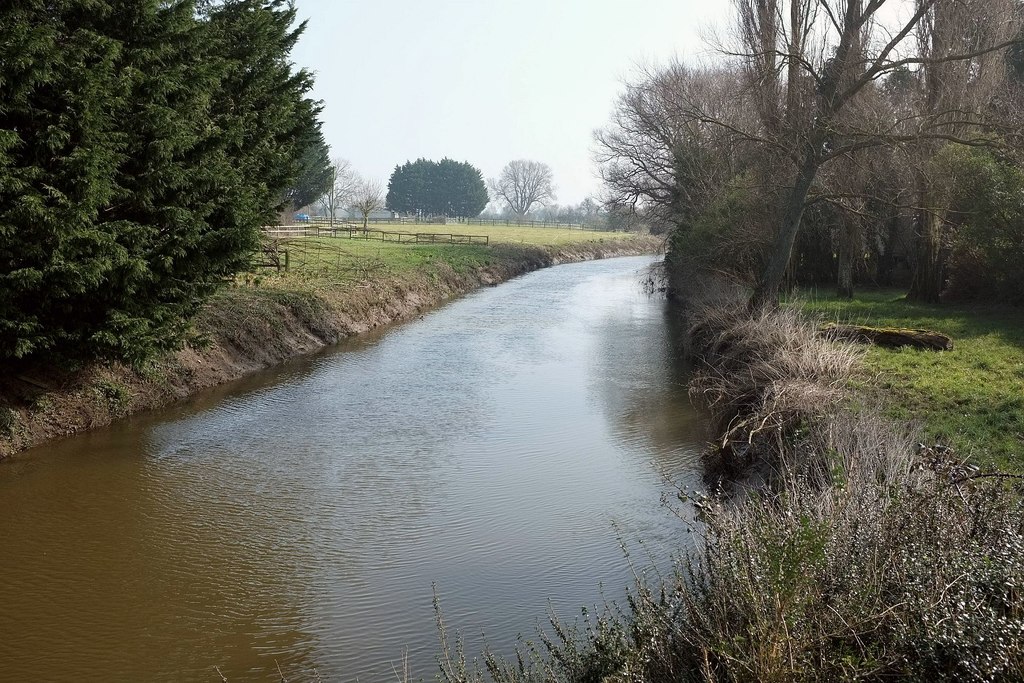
500 234
358 259
355 258
971 397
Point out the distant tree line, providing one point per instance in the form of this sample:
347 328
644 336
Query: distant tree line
437 188
588 211
836 144
142 144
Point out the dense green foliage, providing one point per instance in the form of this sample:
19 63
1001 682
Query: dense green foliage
986 198
437 188
315 173
142 144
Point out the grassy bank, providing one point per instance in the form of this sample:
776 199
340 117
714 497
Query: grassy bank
971 398
333 288
836 550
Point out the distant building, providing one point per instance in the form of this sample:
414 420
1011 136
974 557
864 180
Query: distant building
353 214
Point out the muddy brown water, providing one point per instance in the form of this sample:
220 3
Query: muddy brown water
502 449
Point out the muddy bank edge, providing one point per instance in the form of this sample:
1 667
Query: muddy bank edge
246 330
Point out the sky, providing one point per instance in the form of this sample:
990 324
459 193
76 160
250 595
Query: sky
486 81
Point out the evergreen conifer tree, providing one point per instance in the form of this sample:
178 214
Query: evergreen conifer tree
142 144
437 188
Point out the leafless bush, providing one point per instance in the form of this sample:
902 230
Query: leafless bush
889 574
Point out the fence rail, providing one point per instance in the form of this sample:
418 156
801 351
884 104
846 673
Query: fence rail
277 250
507 222
358 233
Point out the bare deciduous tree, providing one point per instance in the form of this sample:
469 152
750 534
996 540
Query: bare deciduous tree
343 183
956 94
659 155
367 197
523 184
815 100
841 49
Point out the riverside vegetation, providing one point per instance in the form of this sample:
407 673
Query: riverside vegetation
833 546
335 288
864 517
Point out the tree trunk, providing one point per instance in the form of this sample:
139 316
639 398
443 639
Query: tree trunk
891 337
767 291
928 275
886 257
847 248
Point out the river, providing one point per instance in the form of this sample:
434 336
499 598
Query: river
503 449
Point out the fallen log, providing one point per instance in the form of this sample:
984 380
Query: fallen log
890 337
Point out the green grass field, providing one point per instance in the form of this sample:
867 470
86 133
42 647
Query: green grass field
501 234
972 397
345 258
311 256
547 237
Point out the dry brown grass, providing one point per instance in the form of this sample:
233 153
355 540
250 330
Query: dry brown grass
851 555
763 376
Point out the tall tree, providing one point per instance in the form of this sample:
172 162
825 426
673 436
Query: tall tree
341 183
368 197
441 188
522 184
460 190
59 153
316 173
658 155
956 91
142 144
843 50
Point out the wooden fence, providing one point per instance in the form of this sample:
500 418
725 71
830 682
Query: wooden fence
441 220
281 244
357 233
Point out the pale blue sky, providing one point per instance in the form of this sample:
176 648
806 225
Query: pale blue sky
485 81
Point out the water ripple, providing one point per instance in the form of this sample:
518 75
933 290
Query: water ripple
495 450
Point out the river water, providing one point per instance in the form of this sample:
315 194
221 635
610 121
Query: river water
502 449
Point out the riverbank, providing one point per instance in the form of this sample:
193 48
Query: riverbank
334 289
847 550
833 546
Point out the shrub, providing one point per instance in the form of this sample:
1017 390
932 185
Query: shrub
8 420
764 376
987 199
116 395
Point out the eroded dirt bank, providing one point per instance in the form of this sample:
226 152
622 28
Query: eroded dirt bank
243 330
